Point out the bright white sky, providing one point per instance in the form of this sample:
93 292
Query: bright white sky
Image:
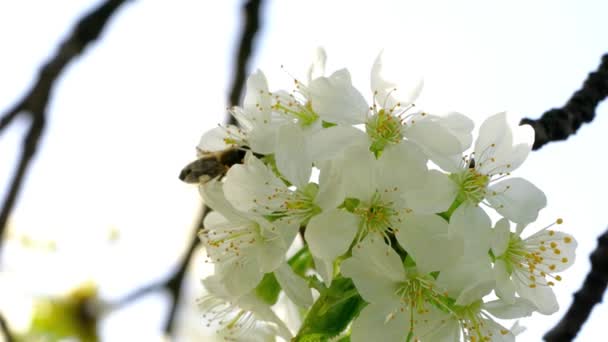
125 118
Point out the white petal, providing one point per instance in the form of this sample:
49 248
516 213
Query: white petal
358 173
371 279
542 297
292 156
372 325
335 100
263 138
501 236
422 236
330 233
250 187
460 126
325 268
433 137
517 199
467 279
317 68
505 289
213 196
386 90
402 166
251 303
257 99
473 224
239 275
294 286
330 143
214 140
377 256
435 196
331 187
475 291
271 252
518 308
493 131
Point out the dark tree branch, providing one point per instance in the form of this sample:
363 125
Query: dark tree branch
8 337
251 25
559 123
584 299
34 103
251 13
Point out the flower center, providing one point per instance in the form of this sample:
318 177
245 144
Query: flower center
384 129
377 215
472 185
303 113
475 324
531 261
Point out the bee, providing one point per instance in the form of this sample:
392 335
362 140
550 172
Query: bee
210 165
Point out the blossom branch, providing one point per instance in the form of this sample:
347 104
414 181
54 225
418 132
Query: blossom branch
34 103
8 337
584 299
559 123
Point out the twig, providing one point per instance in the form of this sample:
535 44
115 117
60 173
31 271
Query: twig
251 14
559 123
584 299
174 283
8 337
34 102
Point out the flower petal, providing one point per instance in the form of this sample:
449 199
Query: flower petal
294 286
317 68
336 100
500 237
542 297
473 224
423 235
518 308
292 156
329 235
505 289
372 324
242 187
435 196
517 199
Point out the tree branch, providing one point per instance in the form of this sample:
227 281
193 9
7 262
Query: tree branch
8 337
252 23
584 299
34 103
559 123
174 283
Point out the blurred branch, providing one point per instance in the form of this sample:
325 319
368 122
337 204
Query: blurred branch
251 13
559 123
584 299
251 25
8 337
34 103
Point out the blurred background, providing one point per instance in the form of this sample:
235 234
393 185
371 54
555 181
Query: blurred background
103 213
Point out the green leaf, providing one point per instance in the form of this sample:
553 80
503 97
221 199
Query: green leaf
301 261
333 311
268 289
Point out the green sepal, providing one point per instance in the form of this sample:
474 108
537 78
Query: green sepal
327 124
350 204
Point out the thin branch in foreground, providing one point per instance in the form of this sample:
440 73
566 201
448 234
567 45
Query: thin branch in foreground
251 18
584 299
8 337
174 283
559 123
34 103
251 25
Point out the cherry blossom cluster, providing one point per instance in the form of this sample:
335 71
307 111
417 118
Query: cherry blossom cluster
387 197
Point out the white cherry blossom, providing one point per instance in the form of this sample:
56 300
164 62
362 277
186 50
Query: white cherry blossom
242 246
499 150
529 266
